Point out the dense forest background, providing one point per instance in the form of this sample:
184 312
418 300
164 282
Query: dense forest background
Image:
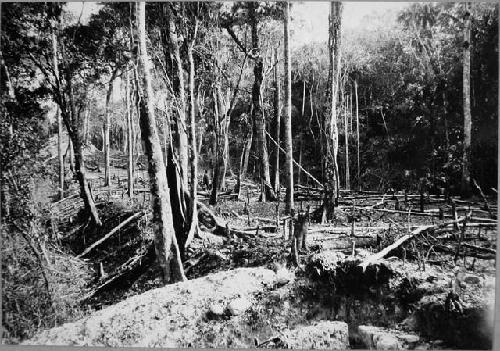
403 82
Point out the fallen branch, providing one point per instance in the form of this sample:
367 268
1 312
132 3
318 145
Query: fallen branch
381 254
113 231
294 162
486 205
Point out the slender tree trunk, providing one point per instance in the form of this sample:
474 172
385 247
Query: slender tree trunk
194 154
86 195
182 139
216 154
466 182
257 113
130 139
248 148
301 134
71 155
346 132
60 153
167 250
225 152
86 126
357 132
106 140
331 128
277 116
289 206
225 111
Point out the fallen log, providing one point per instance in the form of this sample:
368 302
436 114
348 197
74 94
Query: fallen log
344 229
216 225
451 251
481 249
113 231
381 254
425 214
128 266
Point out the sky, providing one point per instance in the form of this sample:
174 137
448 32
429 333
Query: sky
309 19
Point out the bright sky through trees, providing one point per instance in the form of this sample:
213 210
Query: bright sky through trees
309 19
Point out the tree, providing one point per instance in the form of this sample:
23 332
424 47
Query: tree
130 137
109 93
277 118
331 129
357 134
174 41
166 247
252 14
71 107
288 114
192 134
466 181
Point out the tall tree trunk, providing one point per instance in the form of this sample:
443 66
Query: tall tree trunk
182 130
225 152
216 153
166 247
346 132
466 161
85 193
194 153
301 134
357 132
277 116
289 206
71 155
130 139
60 153
86 126
106 140
257 114
331 167
247 149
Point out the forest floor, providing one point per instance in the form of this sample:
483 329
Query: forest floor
434 291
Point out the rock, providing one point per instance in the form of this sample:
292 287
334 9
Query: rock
283 277
385 341
216 309
409 340
366 333
238 306
381 339
322 335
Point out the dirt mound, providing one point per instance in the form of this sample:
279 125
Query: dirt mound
164 317
201 313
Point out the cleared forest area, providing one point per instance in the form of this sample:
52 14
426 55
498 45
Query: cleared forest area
195 174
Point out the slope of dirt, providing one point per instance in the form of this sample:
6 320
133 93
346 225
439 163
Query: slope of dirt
182 315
